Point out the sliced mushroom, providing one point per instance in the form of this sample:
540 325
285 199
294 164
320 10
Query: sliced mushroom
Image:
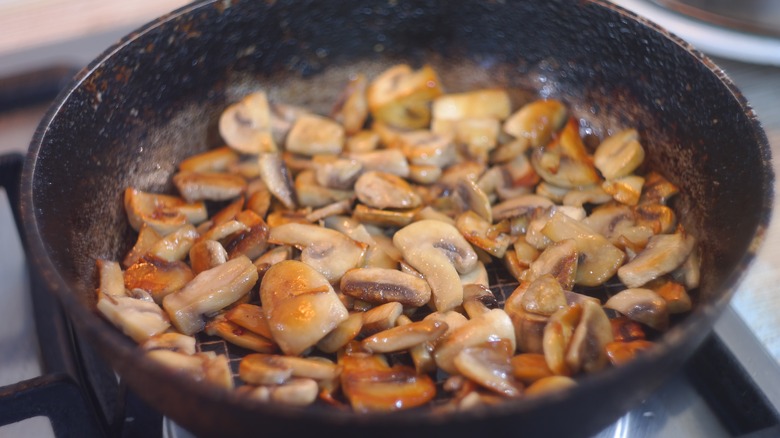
139 319
208 292
170 341
339 174
362 141
264 369
207 254
207 367
564 161
300 305
277 178
528 327
557 334
378 285
674 293
404 337
490 366
352 108
625 189
386 160
491 103
489 326
543 296
535 122
212 160
163 213
619 154
159 278
237 335
147 237
111 279
427 174
208 186
530 367
385 190
587 349
641 305
329 252
246 125
343 334
312 134
272 257
471 197
423 148
620 353
598 258
383 217
475 137
478 299
559 260
380 318
252 241
439 252
660 218
548 385
477 231
662 255
371 385
626 330
523 205
401 97
311 194
657 189
592 194
250 317
689 273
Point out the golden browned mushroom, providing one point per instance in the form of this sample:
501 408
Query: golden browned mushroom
300 305
380 285
171 341
137 316
489 365
559 260
246 125
329 252
401 96
312 134
208 186
564 161
371 385
351 110
237 335
491 103
385 190
208 292
207 254
641 305
277 178
619 155
404 337
599 259
163 213
663 254
439 252
489 326
158 277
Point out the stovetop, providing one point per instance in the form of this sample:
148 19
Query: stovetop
730 387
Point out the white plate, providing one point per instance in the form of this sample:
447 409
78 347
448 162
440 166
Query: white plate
710 39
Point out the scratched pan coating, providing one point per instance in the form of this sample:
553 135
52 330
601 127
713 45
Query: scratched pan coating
154 98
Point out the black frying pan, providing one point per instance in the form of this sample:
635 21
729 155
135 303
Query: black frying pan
154 98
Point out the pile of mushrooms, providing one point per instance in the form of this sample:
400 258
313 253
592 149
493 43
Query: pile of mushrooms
347 259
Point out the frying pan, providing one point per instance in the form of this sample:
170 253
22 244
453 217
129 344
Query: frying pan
152 99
